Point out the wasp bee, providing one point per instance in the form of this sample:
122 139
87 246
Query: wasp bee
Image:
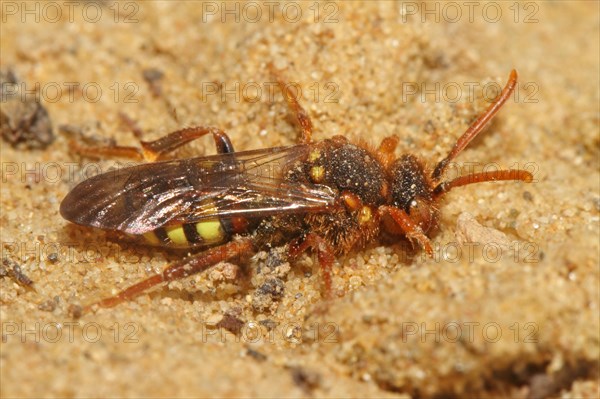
331 196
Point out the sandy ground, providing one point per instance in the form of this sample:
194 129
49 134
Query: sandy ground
508 306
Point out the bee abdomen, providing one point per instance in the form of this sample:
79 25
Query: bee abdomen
205 233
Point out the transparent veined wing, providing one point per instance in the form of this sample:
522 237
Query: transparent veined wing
142 198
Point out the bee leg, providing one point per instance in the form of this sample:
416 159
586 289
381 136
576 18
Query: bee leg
324 252
153 150
302 117
112 150
186 267
385 151
408 226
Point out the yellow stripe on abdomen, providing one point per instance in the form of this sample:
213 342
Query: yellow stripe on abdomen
177 235
206 232
210 230
151 238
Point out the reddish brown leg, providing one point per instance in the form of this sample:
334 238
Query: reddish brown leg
496 175
152 150
111 151
301 116
408 226
385 151
324 253
477 126
184 268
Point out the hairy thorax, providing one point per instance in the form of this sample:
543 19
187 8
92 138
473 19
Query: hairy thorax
360 181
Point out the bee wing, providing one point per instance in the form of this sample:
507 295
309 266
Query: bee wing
142 198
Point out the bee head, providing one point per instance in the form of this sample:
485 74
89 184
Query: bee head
412 191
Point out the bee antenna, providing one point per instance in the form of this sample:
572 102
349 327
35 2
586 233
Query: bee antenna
477 126
481 177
